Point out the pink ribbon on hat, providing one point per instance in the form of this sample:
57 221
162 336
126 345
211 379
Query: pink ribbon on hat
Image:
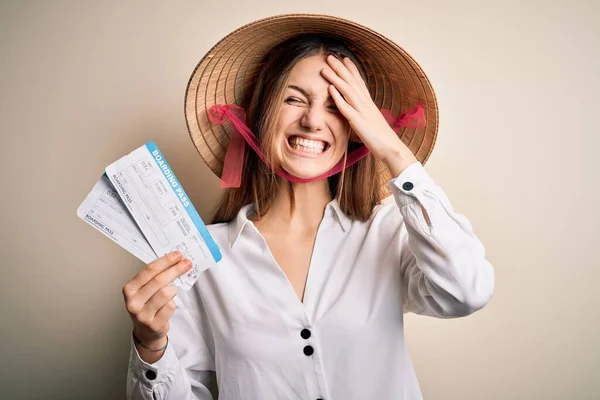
234 157
414 118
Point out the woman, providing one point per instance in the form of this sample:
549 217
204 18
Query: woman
308 300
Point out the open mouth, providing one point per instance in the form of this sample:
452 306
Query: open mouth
308 146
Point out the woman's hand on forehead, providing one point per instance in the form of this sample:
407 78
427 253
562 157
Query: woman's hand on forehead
353 99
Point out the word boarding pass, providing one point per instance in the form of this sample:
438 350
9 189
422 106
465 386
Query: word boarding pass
165 216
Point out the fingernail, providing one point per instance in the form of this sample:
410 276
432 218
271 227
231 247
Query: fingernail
176 254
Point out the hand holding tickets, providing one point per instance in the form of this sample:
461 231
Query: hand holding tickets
149 300
140 204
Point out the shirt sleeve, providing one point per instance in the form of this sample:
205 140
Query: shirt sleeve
186 369
444 270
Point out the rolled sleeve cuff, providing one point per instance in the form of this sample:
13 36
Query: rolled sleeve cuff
150 374
408 186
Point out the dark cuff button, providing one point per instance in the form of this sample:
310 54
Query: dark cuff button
308 350
305 333
407 186
151 375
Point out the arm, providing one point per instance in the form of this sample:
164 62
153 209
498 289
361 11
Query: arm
442 262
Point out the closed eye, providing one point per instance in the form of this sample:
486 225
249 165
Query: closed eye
291 100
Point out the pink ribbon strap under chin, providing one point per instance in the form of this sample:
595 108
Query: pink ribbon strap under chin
234 157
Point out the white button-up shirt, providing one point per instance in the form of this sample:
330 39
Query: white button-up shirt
244 321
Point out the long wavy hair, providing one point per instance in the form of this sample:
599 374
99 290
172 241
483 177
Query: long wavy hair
357 188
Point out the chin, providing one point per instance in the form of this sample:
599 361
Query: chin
304 172
308 168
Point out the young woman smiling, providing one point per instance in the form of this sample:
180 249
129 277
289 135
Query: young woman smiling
317 271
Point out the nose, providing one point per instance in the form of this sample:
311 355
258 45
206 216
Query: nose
313 118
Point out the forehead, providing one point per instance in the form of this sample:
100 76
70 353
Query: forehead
307 75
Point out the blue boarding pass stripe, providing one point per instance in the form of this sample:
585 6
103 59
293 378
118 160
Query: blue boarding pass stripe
164 166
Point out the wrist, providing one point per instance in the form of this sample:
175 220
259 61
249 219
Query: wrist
156 345
398 158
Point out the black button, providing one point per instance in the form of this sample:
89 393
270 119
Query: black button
308 350
151 375
407 186
319 398
305 333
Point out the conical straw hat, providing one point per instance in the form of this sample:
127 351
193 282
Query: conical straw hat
395 80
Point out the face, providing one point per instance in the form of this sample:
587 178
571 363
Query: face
311 134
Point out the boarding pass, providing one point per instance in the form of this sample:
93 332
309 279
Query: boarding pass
105 211
163 213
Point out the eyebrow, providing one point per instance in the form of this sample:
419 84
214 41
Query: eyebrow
304 92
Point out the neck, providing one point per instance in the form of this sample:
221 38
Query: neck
310 200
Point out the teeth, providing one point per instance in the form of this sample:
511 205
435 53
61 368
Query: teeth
310 146
307 149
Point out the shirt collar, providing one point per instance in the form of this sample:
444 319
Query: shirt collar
342 218
236 226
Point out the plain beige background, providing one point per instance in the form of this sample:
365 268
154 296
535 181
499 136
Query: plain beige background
83 83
